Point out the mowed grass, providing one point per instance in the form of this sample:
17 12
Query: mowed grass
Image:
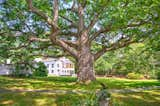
39 99
69 83
145 98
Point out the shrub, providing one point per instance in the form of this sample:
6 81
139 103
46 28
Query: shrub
134 76
158 75
20 71
40 70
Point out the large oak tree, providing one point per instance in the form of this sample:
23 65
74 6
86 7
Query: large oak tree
82 29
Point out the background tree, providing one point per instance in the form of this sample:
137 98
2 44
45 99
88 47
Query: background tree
40 70
74 27
141 58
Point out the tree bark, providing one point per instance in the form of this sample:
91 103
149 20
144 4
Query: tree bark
85 66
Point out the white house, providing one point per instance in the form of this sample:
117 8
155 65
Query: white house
8 69
58 66
5 69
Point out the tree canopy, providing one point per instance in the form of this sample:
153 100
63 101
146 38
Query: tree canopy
82 29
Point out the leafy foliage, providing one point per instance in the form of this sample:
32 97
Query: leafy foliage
139 58
158 75
134 76
41 70
117 23
21 70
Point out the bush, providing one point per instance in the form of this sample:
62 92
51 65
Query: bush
158 75
40 70
20 71
134 76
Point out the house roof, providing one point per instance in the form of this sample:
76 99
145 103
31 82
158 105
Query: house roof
63 59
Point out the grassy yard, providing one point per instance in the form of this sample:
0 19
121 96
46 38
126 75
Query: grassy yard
145 98
69 83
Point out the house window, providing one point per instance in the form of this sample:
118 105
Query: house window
48 65
67 65
52 71
58 70
52 65
57 65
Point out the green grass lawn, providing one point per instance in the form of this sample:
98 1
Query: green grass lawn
145 98
69 83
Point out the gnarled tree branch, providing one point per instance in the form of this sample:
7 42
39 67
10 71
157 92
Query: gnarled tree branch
64 45
109 28
112 47
40 13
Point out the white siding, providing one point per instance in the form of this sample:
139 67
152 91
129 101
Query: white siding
55 67
4 70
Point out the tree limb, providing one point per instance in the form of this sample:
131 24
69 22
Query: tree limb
19 47
64 45
40 13
102 30
69 34
81 17
67 19
73 9
112 47
71 43
95 18
109 28
32 38
55 9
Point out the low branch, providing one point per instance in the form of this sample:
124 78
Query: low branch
52 56
109 28
29 43
64 45
71 43
39 39
112 47
2 33
20 47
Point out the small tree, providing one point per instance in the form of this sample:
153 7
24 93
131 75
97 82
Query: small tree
40 70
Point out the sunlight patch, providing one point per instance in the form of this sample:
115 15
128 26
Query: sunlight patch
7 102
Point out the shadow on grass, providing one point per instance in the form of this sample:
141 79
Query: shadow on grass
51 83
9 98
38 99
121 84
69 83
146 98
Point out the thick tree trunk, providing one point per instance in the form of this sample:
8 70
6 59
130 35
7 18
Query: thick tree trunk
85 66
